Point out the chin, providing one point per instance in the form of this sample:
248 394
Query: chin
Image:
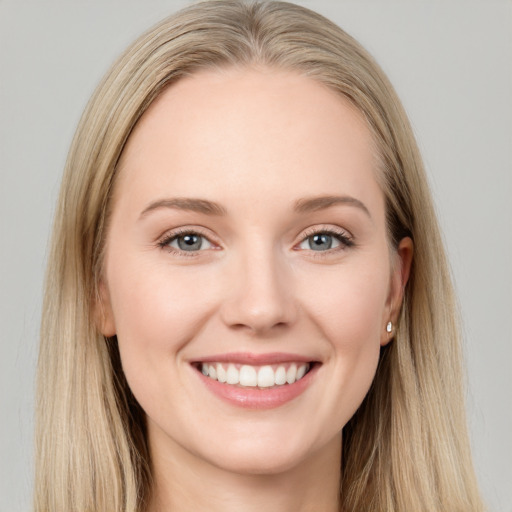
263 456
263 463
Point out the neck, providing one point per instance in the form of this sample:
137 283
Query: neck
183 483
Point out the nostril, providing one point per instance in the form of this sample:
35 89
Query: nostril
258 315
259 326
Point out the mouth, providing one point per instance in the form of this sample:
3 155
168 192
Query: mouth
256 381
255 376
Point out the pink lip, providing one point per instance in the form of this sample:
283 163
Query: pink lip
256 398
254 359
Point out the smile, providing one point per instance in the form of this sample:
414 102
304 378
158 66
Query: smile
266 376
257 381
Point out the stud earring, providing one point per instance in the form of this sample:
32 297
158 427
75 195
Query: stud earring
389 327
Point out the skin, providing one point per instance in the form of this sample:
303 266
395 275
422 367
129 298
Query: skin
254 141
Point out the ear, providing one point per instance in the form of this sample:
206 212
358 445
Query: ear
103 313
400 271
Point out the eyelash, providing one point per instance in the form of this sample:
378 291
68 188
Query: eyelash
346 240
170 237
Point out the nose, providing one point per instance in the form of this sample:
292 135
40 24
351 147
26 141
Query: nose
260 297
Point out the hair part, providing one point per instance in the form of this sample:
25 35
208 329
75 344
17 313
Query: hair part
406 448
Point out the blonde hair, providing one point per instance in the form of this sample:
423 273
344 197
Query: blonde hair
406 449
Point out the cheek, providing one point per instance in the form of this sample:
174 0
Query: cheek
349 305
156 312
348 310
156 301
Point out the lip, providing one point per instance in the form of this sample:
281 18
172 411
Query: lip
254 359
260 398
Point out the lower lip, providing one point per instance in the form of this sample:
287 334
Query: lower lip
257 398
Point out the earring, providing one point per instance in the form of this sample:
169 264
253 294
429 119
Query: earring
389 327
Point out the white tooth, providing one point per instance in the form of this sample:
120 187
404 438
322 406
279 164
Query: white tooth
221 373
248 376
291 374
212 372
266 377
280 376
204 369
301 371
232 375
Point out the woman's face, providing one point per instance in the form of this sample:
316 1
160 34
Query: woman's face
248 242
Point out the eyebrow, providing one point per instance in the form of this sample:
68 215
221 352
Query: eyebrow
313 204
185 203
304 205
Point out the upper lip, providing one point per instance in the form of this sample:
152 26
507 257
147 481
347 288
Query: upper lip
254 359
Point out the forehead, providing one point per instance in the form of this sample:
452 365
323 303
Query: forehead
254 131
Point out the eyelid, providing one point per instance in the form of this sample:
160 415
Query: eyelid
345 238
175 240
164 240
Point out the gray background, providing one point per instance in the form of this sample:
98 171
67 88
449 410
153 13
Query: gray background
451 62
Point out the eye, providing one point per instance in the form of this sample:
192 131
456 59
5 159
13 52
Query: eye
187 242
322 241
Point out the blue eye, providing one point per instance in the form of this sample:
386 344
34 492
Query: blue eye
326 240
189 242
320 242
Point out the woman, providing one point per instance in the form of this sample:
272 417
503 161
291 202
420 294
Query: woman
247 288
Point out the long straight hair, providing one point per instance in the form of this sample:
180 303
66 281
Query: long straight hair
406 449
